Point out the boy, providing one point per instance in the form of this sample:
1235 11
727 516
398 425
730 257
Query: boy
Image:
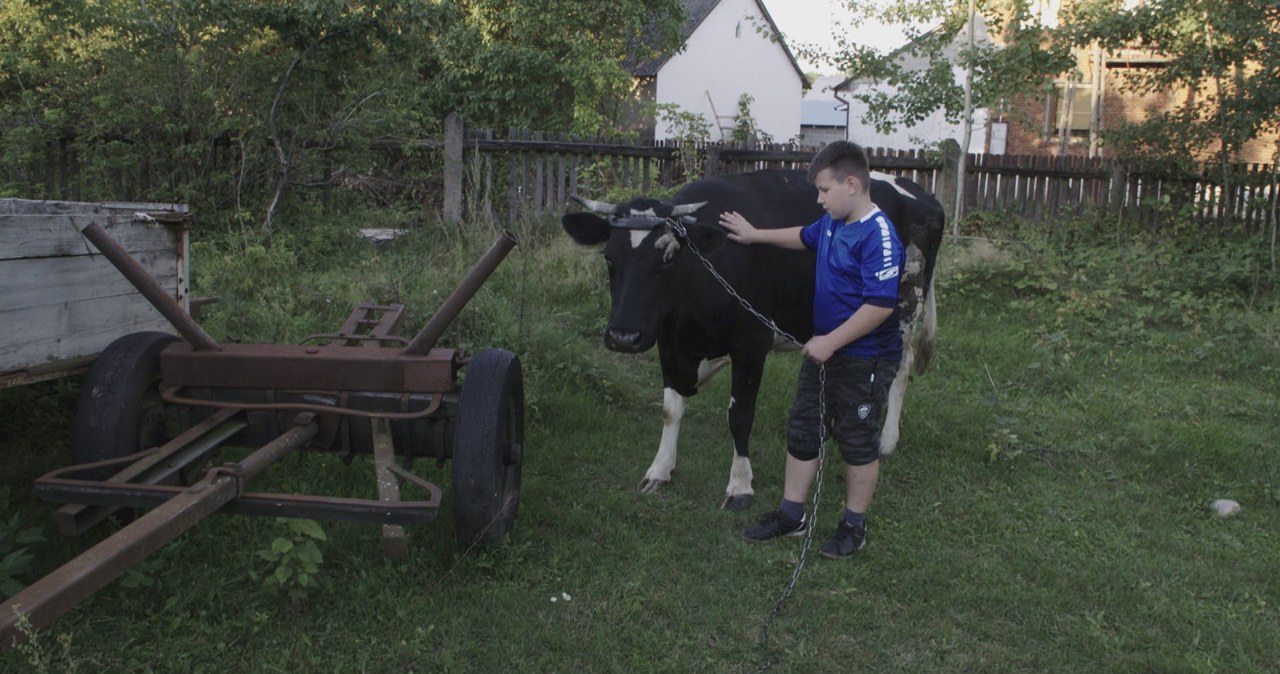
856 339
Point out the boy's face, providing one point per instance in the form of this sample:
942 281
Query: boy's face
836 195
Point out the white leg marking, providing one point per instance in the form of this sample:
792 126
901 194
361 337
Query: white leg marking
876 175
897 391
928 331
665 460
740 477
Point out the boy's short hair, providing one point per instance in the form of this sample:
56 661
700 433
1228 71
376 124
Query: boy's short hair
844 159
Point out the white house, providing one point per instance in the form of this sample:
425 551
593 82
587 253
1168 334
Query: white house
732 47
930 130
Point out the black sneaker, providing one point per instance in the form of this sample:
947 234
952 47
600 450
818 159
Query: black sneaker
772 525
847 540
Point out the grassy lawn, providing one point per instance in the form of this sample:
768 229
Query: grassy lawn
1046 511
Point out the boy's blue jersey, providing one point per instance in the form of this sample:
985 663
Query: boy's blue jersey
858 263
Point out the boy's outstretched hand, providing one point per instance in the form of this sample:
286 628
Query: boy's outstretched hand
739 229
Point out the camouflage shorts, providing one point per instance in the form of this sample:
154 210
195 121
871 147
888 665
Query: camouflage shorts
856 393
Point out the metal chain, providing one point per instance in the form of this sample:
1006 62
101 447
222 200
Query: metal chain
808 534
680 229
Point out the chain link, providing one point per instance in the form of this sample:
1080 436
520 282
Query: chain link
679 228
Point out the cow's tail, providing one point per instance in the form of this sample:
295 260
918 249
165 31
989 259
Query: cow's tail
928 332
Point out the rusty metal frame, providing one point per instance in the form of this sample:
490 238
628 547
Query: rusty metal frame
48 598
266 370
171 395
359 328
150 467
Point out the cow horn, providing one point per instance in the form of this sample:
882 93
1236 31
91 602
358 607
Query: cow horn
597 206
686 209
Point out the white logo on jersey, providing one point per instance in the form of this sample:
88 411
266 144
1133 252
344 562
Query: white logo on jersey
886 274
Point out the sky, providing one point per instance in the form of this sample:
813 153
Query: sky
813 20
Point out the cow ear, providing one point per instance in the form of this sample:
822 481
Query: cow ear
705 237
588 229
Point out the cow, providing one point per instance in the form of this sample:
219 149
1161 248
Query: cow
657 254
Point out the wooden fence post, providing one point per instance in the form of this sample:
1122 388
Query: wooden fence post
453 168
713 161
1115 189
949 180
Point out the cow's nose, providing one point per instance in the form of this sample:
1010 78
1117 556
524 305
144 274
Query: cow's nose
621 340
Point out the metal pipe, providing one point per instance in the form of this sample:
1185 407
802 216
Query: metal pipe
458 299
150 289
45 600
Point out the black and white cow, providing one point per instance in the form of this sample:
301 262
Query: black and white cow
662 293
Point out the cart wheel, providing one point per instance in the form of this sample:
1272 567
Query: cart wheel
488 448
120 411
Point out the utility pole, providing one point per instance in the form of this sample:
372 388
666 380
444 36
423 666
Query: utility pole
1095 99
968 127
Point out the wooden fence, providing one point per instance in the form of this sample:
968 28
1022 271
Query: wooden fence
534 173
1036 187
530 173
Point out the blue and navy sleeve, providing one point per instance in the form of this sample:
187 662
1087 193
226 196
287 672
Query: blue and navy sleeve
811 235
881 264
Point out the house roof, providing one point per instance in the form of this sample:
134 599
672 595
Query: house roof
823 113
695 12
820 107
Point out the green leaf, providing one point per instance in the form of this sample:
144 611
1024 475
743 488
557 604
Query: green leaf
310 528
308 552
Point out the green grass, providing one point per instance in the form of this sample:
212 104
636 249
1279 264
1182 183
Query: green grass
1046 511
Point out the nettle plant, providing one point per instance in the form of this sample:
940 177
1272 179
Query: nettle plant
296 557
690 129
16 554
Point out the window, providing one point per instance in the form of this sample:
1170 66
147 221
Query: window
1069 105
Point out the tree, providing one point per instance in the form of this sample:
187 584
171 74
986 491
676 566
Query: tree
231 105
1225 54
922 79
545 64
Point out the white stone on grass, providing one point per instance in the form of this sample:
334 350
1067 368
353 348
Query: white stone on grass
1225 507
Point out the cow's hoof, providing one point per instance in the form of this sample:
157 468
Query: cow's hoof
735 504
650 485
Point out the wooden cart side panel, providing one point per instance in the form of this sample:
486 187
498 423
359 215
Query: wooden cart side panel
39 207
61 302
74 330
40 236
26 282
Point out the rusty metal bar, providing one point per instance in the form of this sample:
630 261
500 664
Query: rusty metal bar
328 367
55 594
393 539
150 289
360 329
259 504
458 299
166 461
170 395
